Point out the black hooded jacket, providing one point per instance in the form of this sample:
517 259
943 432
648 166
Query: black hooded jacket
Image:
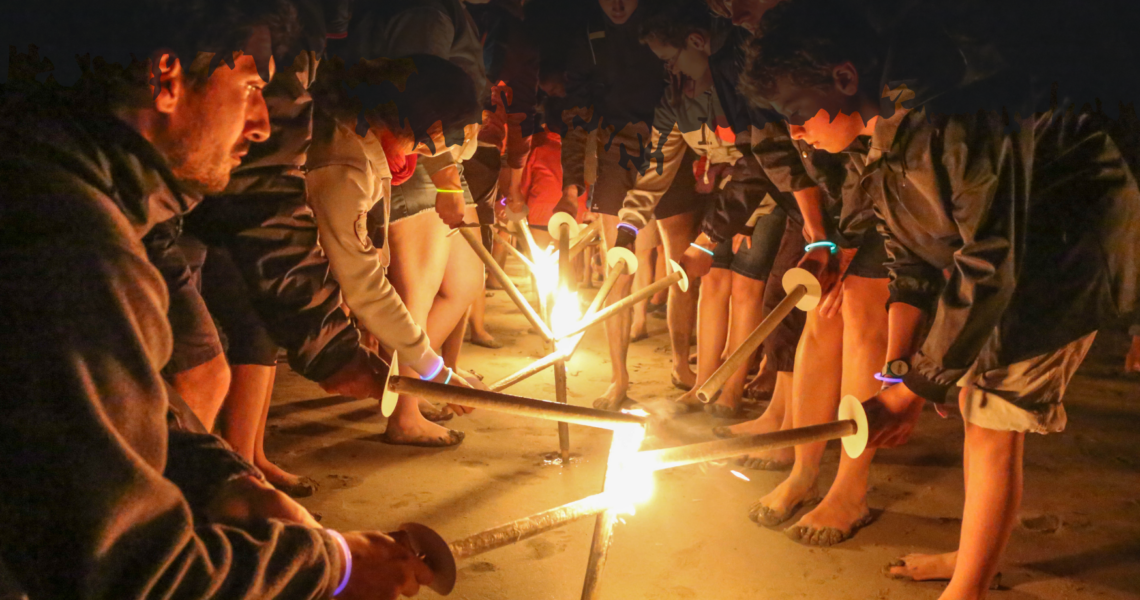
1034 214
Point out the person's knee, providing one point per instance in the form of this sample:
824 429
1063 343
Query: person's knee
717 283
746 287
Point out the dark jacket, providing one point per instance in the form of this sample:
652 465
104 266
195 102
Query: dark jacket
263 220
612 80
84 505
1038 225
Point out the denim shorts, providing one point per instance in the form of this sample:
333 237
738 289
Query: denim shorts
417 194
754 262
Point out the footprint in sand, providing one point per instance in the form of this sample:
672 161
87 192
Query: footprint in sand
340 482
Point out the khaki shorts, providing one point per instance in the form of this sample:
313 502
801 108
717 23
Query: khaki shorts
1025 396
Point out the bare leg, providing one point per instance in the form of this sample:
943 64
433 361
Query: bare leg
204 388
712 330
844 508
659 271
815 390
638 325
420 254
993 497
676 234
242 424
747 312
479 334
617 331
933 567
241 415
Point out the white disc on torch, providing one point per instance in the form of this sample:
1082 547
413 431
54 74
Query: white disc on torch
388 402
618 253
798 276
851 408
515 217
684 282
554 225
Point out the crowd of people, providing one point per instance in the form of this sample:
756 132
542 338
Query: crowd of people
190 188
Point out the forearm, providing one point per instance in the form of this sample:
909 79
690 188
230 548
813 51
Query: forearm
811 207
904 326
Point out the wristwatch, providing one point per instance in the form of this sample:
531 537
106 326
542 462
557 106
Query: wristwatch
896 368
893 372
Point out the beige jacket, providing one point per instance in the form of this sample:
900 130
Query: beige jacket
346 176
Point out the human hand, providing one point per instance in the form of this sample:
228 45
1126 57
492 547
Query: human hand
515 200
1132 361
450 208
696 262
453 377
741 239
892 415
363 377
570 195
245 499
626 237
383 567
824 265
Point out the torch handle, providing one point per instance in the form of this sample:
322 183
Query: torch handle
668 458
739 356
508 285
624 303
528 527
585 237
564 271
518 405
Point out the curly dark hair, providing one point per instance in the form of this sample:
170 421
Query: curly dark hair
673 23
106 50
803 40
414 91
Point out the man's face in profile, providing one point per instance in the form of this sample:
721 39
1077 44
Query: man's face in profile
618 11
214 122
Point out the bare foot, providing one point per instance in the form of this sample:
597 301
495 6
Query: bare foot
638 330
683 377
726 406
836 519
613 397
485 340
296 486
418 431
762 386
434 413
782 503
924 567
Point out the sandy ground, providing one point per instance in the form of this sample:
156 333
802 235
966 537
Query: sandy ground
1079 536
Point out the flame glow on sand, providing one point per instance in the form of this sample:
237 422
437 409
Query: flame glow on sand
627 483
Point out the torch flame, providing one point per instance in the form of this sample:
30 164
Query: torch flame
564 316
627 483
545 270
